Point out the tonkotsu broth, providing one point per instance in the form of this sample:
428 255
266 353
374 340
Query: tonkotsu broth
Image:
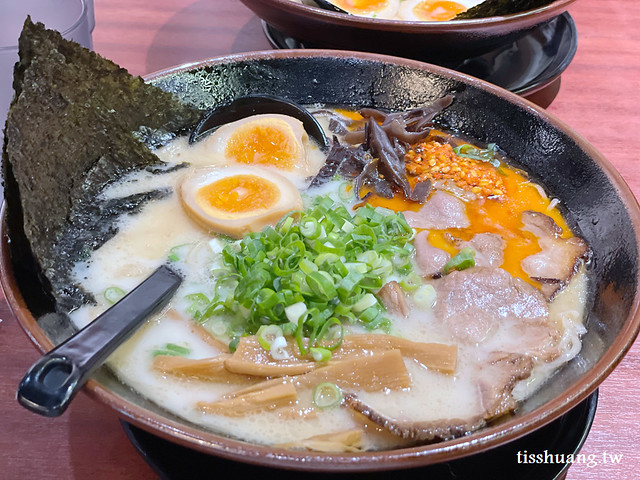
145 240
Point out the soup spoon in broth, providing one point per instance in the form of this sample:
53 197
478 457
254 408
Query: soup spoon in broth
53 381
327 5
246 106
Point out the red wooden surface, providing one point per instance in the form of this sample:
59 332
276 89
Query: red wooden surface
598 97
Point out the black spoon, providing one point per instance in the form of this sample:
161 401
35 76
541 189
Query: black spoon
248 105
327 5
52 382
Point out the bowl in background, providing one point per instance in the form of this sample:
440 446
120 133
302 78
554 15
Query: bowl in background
443 43
599 207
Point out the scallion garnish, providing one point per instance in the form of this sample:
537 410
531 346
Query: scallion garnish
179 252
312 272
463 260
320 354
327 395
113 294
411 282
172 349
267 335
489 154
425 296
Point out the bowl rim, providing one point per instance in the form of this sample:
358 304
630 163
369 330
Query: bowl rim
515 20
489 437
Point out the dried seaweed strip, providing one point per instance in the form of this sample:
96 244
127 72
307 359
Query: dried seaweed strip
70 131
494 8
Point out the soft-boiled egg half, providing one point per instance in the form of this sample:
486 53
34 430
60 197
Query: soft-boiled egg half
236 200
434 10
267 140
369 8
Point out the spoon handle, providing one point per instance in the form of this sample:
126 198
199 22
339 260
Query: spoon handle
327 5
52 382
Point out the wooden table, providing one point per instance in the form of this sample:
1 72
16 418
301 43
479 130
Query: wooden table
599 97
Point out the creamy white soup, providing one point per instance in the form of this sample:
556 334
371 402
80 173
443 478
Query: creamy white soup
287 332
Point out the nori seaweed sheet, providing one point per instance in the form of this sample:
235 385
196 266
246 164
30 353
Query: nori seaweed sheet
495 8
74 126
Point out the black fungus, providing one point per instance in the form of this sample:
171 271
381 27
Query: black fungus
374 155
345 160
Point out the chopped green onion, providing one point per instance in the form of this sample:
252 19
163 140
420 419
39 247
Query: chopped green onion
267 335
320 354
369 300
113 294
328 334
172 349
178 349
295 311
327 395
217 327
321 286
347 226
345 191
286 223
310 228
369 315
179 252
463 260
425 296
309 274
289 329
278 348
488 154
233 344
307 266
411 282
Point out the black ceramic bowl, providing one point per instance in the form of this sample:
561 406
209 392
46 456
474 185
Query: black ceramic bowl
444 43
599 206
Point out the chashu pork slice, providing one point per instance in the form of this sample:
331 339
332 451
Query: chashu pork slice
489 248
441 211
430 260
559 258
494 376
489 306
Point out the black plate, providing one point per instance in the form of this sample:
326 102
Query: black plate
564 436
523 67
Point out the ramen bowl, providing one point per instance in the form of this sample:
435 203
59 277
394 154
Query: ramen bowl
598 206
441 42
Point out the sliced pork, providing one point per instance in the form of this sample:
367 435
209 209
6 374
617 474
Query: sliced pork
430 260
420 432
489 248
495 377
476 302
441 211
559 258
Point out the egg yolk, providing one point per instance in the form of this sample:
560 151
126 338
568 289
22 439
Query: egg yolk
239 194
501 216
437 10
361 6
263 144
